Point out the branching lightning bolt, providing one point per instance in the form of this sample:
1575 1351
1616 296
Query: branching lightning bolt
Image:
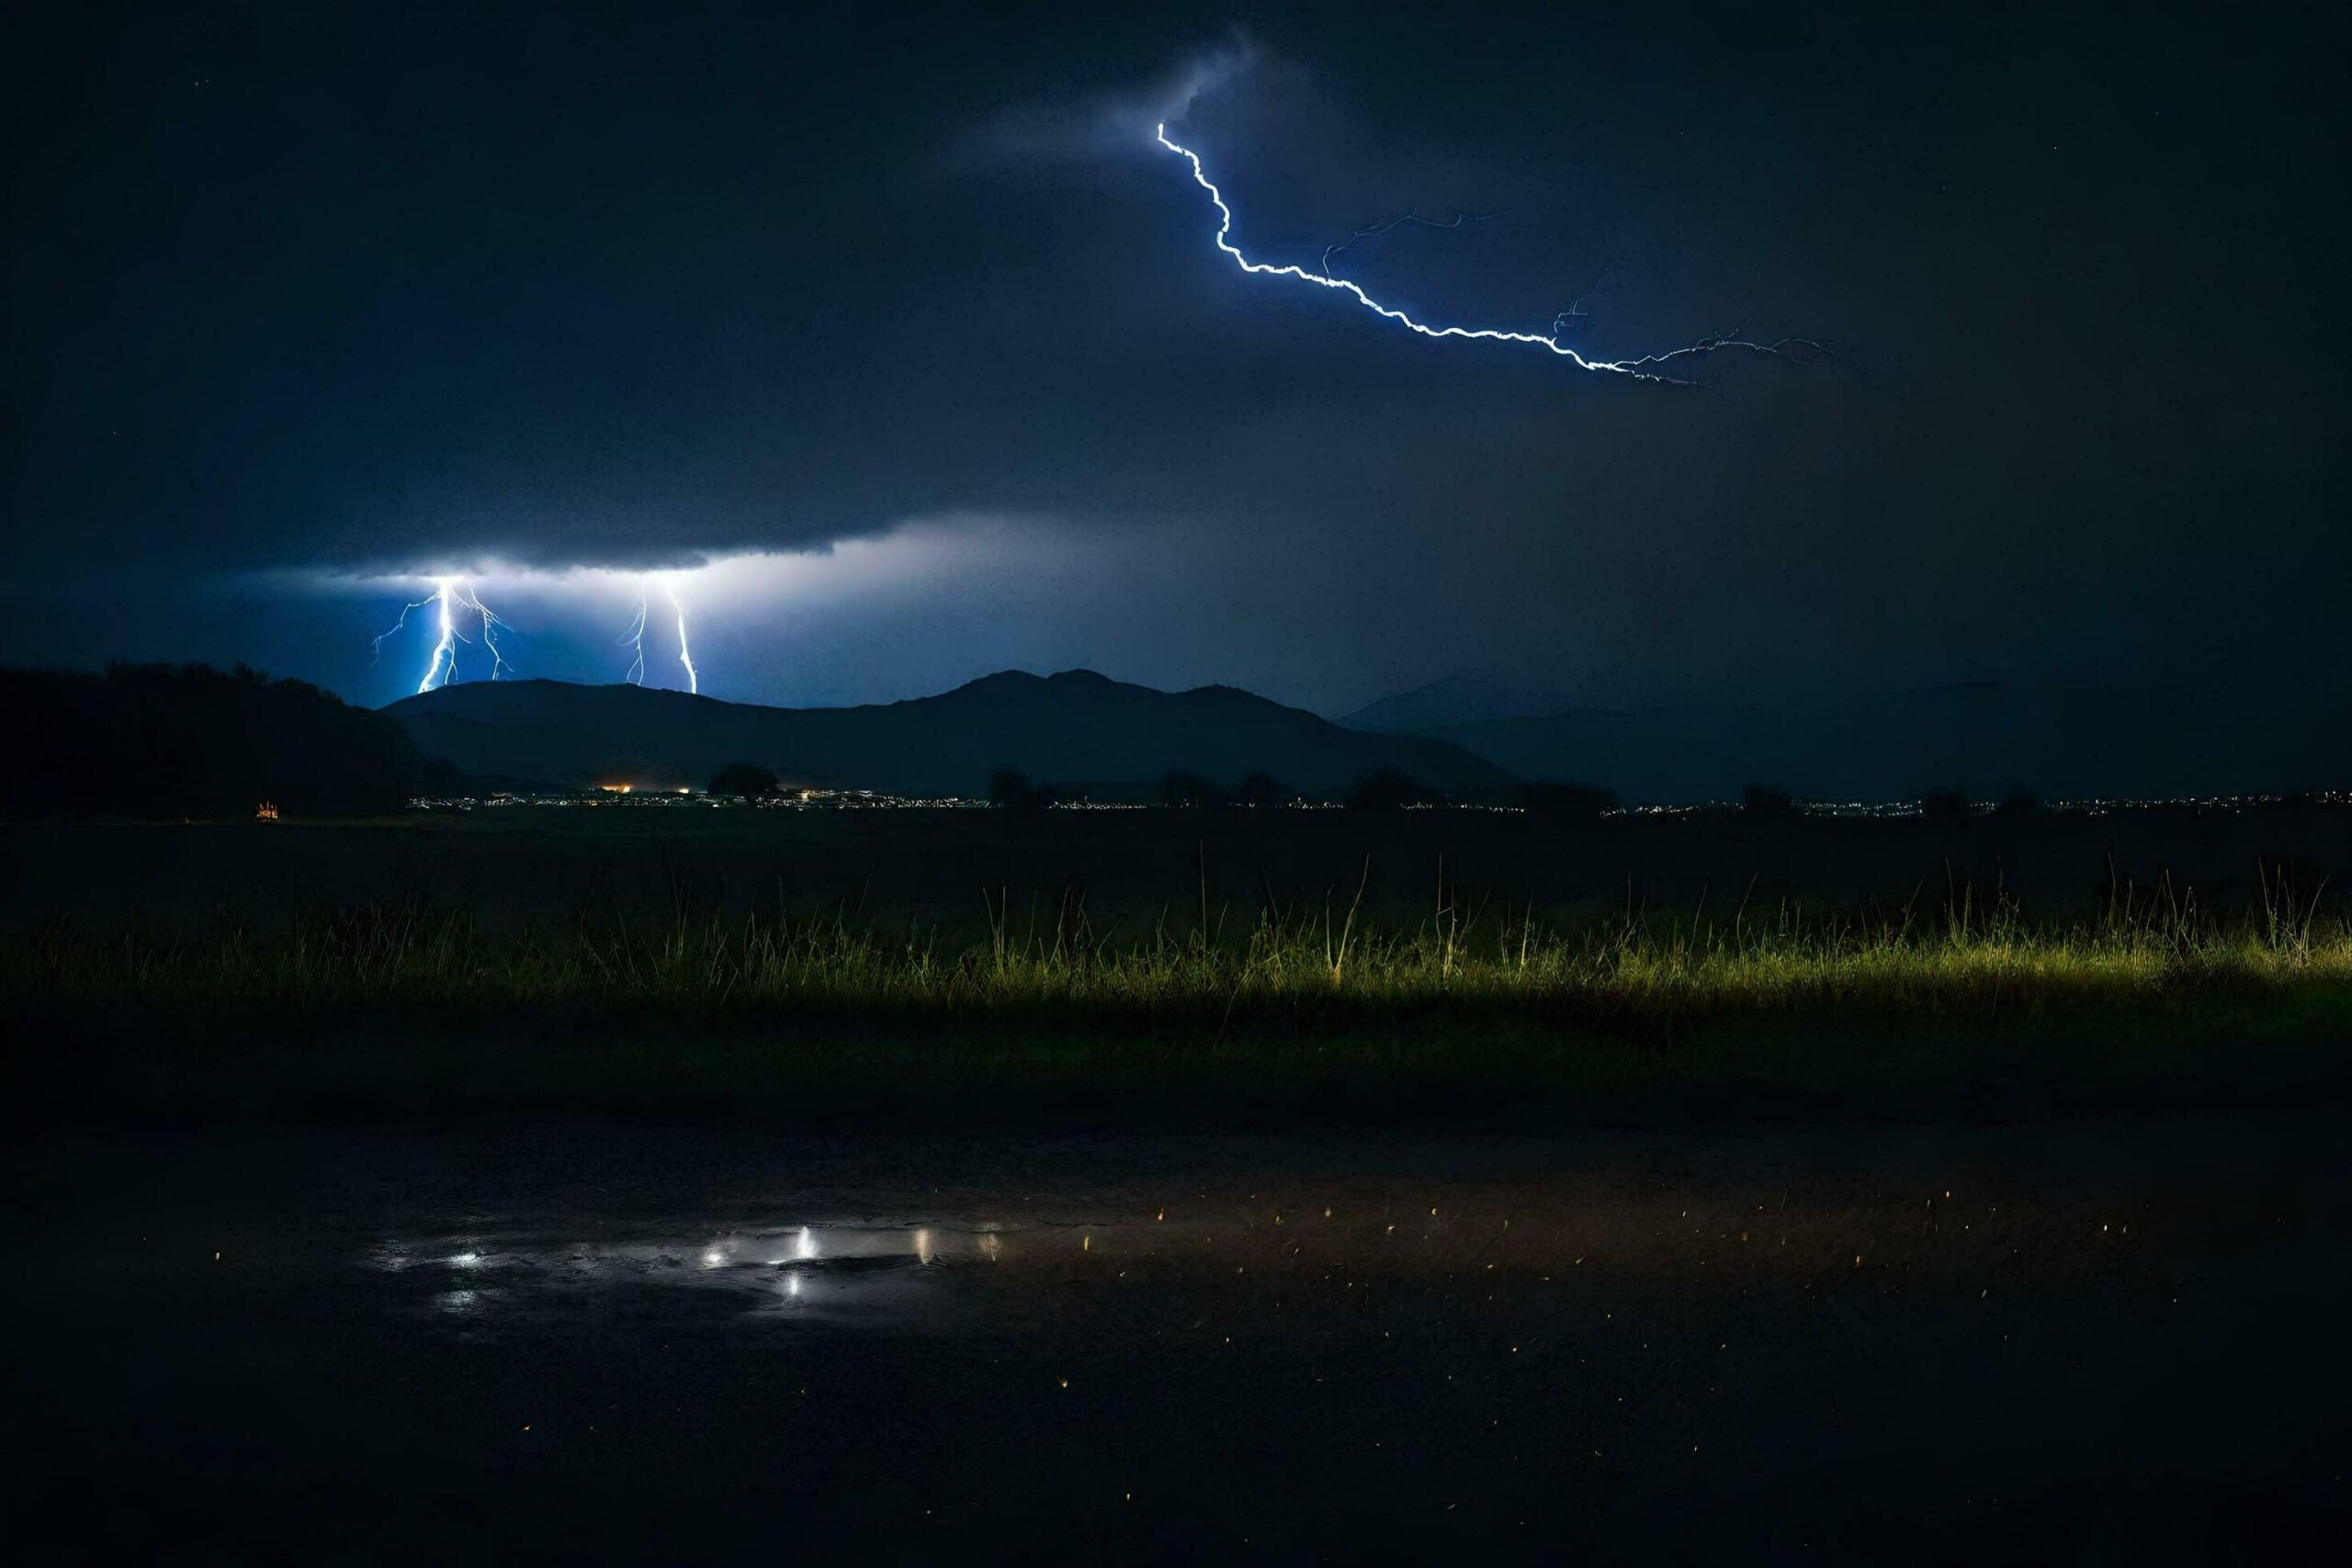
1646 368
450 595
634 638
490 626
401 623
1575 310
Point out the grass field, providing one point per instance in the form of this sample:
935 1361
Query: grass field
1324 966
282 969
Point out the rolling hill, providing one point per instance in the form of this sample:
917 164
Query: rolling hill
1077 728
1443 703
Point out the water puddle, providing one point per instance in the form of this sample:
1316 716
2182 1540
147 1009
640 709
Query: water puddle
1204 1351
838 1271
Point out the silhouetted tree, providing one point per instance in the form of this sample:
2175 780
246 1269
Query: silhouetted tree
191 741
1261 789
1388 789
2019 802
1567 802
1015 791
743 778
1945 806
1188 790
1766 804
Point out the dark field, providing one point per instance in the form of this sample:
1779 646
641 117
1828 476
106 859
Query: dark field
516 865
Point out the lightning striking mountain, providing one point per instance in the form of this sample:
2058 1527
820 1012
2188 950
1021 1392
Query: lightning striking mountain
1646 368
449 596
634 638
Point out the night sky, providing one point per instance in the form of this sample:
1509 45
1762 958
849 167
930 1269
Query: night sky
903 320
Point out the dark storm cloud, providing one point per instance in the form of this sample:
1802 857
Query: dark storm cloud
375 293
377 289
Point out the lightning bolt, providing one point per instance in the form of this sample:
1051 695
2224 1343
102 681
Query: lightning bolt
634 638
445 648
685 655
1575 310
490 626
450 595
401 624
1645 368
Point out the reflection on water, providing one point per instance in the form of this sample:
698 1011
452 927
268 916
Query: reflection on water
1344 1239
1214 1351
839 1266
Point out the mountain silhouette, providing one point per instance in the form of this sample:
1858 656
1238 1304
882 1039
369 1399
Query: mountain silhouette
1454 699
1074 728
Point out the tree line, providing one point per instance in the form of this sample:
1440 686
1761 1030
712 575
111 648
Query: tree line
174 740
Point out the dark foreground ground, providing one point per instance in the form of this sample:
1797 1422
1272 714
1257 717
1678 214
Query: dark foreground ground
367 1283
548 867
2113 1339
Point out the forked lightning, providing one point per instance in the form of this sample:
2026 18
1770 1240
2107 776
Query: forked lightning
1647 367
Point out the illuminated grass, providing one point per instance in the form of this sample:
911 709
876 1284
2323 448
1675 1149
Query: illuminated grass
1314 970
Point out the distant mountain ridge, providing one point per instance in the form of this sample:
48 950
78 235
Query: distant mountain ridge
1454 699
1075 728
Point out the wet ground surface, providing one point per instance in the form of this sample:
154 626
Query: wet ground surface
2105 1341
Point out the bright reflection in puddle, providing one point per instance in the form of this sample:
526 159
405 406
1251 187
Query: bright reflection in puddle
828 1340
848 1266
1349 1240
